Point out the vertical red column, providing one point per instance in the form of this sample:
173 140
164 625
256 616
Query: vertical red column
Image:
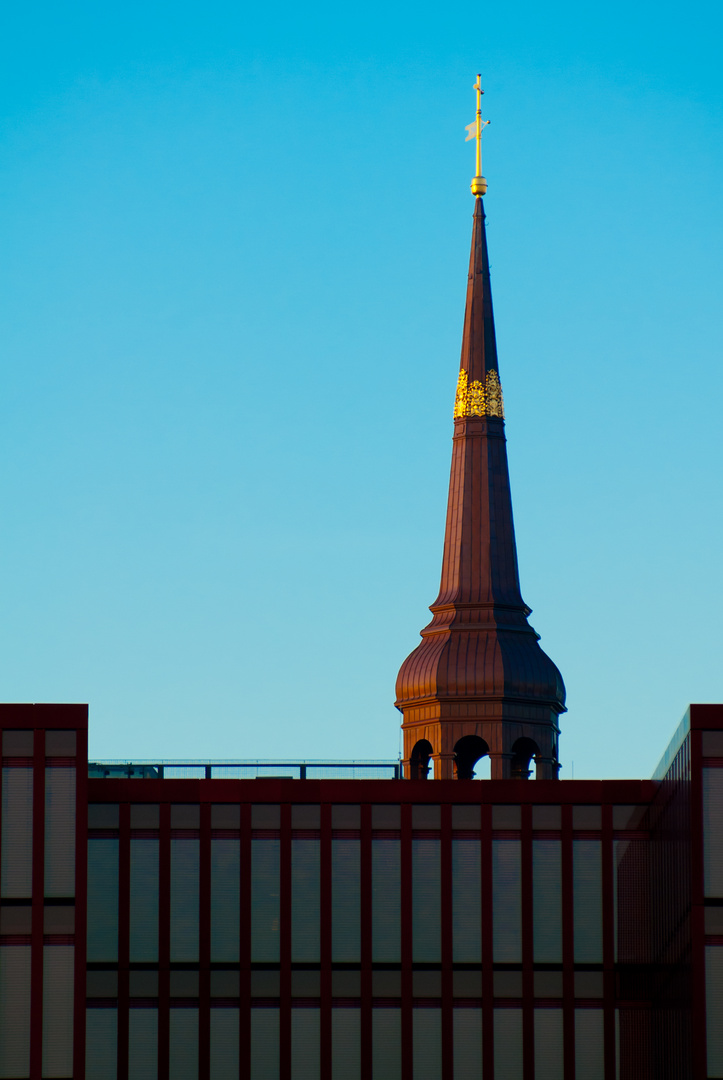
38 907
608 896
568 946
245 946
325 914
528 975
407 944
164 939
81 899
124 921
285 945
204 946
488 1015
447 943
366 940
700 1048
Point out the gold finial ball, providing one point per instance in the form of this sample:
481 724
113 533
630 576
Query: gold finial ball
478 186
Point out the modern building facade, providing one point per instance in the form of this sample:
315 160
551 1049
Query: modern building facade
215 922
284 929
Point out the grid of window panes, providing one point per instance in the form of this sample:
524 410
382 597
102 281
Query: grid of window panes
298 938
37 940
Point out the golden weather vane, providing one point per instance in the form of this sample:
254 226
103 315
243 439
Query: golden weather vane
474 131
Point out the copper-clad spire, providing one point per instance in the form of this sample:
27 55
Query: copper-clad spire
479 682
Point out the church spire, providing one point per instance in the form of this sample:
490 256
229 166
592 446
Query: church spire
479 683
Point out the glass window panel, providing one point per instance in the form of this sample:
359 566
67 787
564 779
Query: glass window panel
18 918
714 1008
586 817
546 817
16 845
101 1044
185 854
224 1050
305 1062
60 744
426 817
506 901
506 817
629 817
305 935
145 816
101 984
264 1044
144 900
713 831
427 984
465 817
183 1044
346 984
186 816
631 887
225 984
386 817
712 743
102 900
18 743
265 816
60 832
507 984
225 816
466 899
427 1032
467 1028
587 900
386 984
548 1044
345 817
467 984
345 900
386 900
14 1011
264 900
345 1044
589 1045
225 899
426 899
508 1044
103 815
305 984
143 1044
58 961
547 900
305 817
634 1045
548 984
386 1044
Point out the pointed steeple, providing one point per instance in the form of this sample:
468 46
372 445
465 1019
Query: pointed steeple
479 682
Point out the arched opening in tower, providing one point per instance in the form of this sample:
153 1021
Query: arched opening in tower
467 752
523 750
419 760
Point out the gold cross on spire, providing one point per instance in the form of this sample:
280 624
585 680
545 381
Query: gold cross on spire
474 131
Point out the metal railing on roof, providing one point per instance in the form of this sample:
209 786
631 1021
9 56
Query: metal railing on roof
192 769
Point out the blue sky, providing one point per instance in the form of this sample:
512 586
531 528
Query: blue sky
235 243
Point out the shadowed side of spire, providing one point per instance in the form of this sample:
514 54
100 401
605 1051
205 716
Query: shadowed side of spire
479 682
480 559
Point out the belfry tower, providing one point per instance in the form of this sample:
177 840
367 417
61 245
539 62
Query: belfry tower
479 683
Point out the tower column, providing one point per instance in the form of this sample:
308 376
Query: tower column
479 682
443 766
